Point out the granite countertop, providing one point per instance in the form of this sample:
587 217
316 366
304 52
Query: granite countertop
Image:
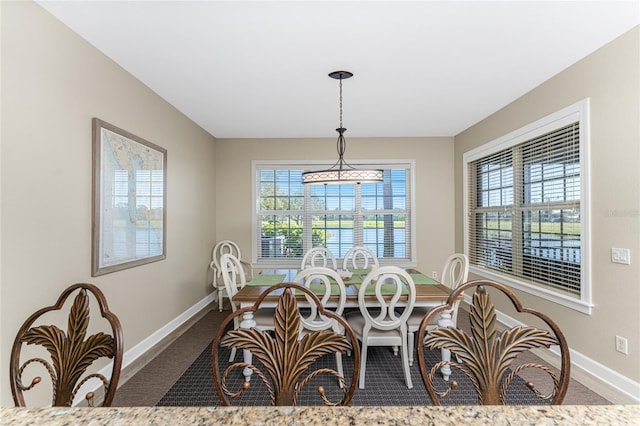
311 416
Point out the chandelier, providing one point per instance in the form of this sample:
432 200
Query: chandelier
341 171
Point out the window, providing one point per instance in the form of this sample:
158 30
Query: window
291 218
526 208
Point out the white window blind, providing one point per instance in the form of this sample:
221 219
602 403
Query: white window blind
525 213
292 218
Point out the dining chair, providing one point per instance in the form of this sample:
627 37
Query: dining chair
359 257
454 273
386 298
329 287
487 353
319 256
223 247
286 362
68 357
234 278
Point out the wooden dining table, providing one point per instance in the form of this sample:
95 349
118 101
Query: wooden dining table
429 293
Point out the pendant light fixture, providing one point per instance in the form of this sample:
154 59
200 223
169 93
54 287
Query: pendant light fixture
341 172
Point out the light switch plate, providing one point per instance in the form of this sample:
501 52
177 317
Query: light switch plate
621 255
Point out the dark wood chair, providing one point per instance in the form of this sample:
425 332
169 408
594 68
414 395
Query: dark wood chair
485 356
67 357
284 359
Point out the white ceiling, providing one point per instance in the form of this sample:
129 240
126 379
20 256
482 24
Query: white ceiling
422 68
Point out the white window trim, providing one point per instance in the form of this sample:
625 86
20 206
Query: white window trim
286 164
572 113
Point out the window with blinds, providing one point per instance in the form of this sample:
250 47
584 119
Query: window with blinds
524 211
292 218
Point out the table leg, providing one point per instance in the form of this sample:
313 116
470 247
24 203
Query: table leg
445 321
247 322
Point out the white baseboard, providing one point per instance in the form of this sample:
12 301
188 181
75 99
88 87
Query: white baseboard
141 348
604 381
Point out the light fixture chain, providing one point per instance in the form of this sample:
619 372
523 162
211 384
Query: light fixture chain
340 101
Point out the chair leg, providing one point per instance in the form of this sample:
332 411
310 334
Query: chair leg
405 363
363 364
233 355
411 337
220 299
339 366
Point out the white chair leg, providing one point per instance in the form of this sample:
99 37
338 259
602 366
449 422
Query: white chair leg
363 364
395 351
220 299
339 366
233 355
405 365
411 337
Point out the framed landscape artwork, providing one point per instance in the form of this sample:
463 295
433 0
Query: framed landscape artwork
129 200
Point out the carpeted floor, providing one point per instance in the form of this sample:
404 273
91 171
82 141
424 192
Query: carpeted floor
168 375
385 384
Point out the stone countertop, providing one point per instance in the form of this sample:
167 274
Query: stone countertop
311 416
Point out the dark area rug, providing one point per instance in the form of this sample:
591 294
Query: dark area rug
384 384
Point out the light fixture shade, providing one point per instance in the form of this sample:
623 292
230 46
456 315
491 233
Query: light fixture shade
336 176
341 172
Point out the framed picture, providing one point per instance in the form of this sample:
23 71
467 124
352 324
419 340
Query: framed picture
129 200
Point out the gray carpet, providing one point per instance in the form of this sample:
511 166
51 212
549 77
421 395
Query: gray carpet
152 382
384 384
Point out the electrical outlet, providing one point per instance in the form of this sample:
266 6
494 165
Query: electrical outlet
434 275
622 345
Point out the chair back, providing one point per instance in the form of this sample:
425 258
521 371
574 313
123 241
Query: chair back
319 256
68 357
232 275
455 273
223 247
386 298
285 360
359 257
324 283
486 355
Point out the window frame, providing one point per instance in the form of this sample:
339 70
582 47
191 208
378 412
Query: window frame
257 165
579 112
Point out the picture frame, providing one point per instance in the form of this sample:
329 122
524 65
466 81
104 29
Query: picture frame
129 200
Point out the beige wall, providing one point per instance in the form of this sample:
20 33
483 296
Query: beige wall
434 183
53 83
610 78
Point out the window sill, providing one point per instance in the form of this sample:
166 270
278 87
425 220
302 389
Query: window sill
582 306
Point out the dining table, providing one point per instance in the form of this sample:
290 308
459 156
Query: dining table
429 293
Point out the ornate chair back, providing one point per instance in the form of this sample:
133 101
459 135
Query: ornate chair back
221 248
454 274
67 357
319 256
283 357
360 257
326 284
486 355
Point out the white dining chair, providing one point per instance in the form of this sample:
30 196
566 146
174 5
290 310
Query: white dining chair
454 274
223 247
325 283
319 256
234 278
386 298
359 257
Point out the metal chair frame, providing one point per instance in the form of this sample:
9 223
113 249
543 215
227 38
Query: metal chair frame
70 353
486 355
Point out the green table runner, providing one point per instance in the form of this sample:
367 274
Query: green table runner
267 279
423 279
385 289
319 289
355 279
